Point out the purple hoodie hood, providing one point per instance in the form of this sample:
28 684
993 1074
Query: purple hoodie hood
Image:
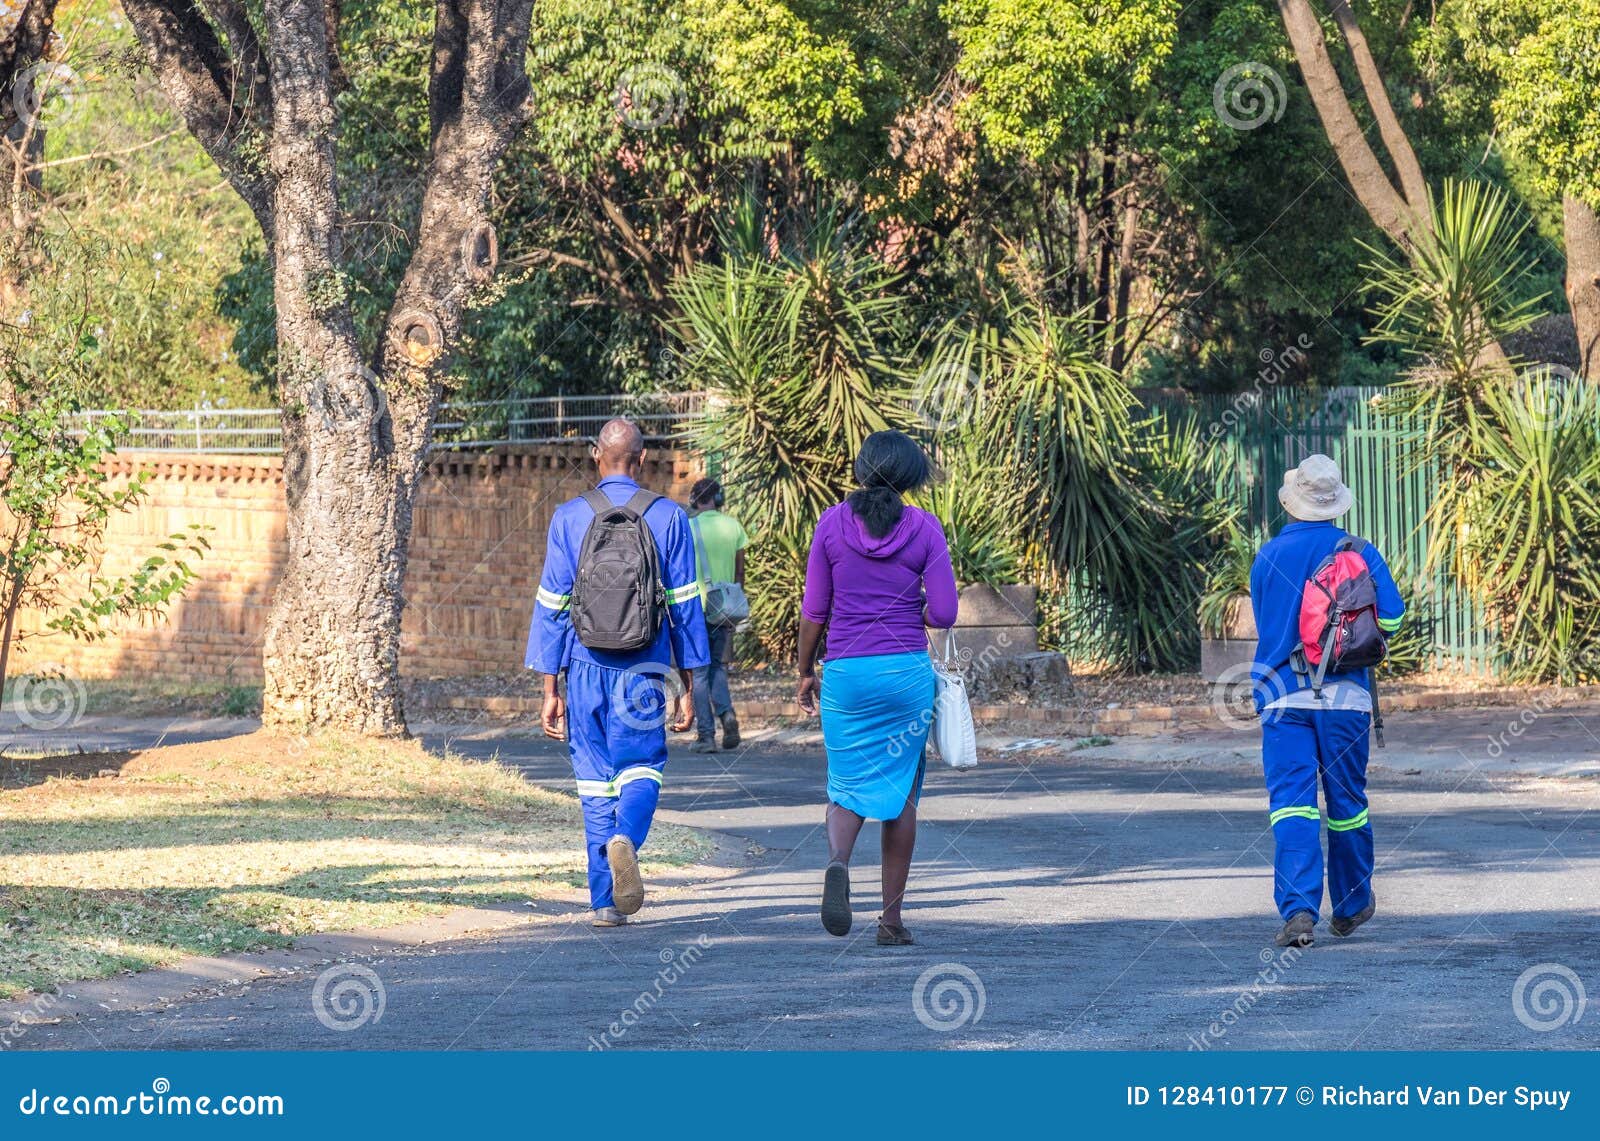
856 536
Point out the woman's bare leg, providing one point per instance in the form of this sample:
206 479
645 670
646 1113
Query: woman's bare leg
843 828
899 839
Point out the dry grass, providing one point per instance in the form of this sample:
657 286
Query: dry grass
248 842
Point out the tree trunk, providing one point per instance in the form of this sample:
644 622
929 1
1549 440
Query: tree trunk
1367 178
1412 184
333 637
1582 227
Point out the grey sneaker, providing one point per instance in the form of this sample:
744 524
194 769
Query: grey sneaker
1298 932
608 917
704 745
1344 926
730 730
627 887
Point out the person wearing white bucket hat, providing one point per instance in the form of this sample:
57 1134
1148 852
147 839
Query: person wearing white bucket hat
1315 726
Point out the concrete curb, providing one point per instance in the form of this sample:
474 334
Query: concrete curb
1122 721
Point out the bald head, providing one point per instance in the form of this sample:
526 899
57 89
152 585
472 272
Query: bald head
619 448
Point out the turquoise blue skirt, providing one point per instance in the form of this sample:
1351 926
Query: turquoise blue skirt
876 713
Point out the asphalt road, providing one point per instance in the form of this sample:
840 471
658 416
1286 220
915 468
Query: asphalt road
1060 900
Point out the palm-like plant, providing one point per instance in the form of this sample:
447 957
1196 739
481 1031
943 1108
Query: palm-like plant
796 351
1449 302
1532 549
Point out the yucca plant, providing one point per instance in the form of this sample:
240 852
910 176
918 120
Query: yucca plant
796 351
986 504
1449 301
1531 549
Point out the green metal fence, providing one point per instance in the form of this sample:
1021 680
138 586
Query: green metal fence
1265 432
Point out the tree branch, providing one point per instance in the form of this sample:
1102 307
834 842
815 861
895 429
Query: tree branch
1414 186
204 84
1371 184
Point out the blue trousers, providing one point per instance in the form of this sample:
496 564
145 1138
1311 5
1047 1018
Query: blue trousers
1299 746
617 740
711 695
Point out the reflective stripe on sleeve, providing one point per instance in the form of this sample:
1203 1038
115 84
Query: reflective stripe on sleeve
1389 625
550 600
683 593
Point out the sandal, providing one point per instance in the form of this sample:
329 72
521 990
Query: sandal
836 899
893 935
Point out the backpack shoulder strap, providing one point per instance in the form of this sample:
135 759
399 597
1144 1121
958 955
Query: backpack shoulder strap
1351 543
596 499
640 501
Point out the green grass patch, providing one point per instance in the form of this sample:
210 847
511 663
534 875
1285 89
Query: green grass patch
246 843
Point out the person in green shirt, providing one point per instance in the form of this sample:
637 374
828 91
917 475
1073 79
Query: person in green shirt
719 557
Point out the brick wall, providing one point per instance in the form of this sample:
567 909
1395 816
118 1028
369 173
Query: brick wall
476 551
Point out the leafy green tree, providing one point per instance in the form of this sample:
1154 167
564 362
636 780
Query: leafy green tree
55 503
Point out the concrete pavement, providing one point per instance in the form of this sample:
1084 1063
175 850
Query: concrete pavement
1115 897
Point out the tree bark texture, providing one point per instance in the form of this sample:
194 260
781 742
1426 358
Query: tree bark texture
1391 211
355 425
1582 229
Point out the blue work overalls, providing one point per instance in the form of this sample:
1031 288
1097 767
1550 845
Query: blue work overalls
1303 746
617 706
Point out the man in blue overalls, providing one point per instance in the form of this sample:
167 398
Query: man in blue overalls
615 711
1304 736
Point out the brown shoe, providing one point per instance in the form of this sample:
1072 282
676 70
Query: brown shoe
1344 926
607 917
836 899
893 935
1299 931
627 888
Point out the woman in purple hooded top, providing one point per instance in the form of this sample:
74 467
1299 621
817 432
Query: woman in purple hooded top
878 575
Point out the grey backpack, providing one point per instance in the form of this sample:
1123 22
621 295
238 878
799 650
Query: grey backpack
618 601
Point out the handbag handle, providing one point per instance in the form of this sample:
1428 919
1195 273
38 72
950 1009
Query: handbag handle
949 654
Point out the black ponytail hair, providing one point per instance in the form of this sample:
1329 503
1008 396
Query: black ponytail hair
888 465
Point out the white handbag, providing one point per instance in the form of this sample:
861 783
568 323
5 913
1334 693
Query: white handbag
954 734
